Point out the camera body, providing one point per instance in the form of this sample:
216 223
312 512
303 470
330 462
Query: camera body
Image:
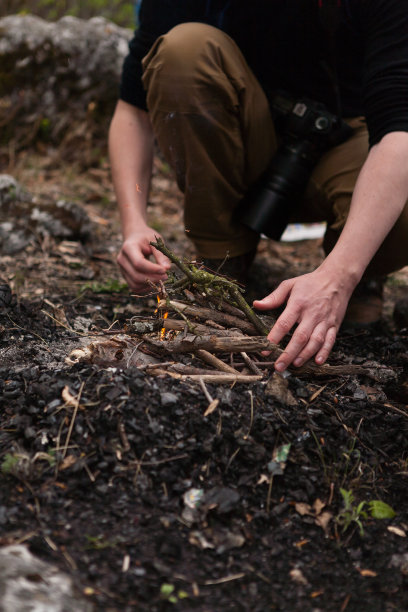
307 129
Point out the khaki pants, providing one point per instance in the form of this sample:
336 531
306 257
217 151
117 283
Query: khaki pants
212 122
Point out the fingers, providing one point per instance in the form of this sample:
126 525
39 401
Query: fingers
276 298
305 343
137 270
161 259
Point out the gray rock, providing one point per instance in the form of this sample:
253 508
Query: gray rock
28 584
23 218
10 190
57 73
168 399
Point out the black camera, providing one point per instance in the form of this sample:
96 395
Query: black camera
306 130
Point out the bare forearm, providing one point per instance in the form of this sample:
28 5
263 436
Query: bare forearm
379 197
316 302
131 157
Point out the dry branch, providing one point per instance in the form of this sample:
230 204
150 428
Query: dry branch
191 344
209 314
216 363
215 378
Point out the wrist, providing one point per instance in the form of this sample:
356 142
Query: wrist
133 219
345 274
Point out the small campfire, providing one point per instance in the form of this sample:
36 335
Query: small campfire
203 329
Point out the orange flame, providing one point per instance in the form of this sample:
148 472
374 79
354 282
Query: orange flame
163 329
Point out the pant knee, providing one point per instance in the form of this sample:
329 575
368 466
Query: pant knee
192 57
184 46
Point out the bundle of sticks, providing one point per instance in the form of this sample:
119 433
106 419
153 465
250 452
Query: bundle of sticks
205 316
203 329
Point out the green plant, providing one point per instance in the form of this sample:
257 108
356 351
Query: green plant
9 463
356 514
44 128
98 542
168 592
111 285
22 465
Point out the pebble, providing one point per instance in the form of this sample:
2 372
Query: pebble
168 399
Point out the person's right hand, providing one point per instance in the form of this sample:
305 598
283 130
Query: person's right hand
134 260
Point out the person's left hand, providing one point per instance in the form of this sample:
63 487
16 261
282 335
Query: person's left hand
316 302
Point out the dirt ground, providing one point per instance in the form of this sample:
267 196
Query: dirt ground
119 479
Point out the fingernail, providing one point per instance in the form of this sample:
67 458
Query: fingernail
298 361
280 366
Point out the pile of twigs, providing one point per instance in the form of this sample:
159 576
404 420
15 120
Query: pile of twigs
203 329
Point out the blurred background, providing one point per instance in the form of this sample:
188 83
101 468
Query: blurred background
118 11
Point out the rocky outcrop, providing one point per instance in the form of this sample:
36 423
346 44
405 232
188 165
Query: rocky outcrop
27 583
55 76
24 218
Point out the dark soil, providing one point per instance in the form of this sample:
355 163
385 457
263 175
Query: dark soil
96 462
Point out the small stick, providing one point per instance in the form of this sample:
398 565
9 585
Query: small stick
221 303
71 425
206 392
181 368
206 314
215 362
245 307
123 436
250 363
199 328
214 378
251 422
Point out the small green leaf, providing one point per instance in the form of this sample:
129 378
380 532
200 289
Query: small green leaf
166 590
348 497
182 594
360 508
380 510
172 599
10 461
281 453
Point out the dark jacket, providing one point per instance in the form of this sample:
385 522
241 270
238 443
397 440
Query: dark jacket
288 46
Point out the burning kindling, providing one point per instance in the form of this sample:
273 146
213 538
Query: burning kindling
202 329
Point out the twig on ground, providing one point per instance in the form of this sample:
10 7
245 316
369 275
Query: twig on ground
251 365
71 425
217 363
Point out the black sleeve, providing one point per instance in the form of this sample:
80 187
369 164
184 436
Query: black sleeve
156 17
385 75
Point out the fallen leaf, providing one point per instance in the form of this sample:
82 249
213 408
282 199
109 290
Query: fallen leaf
197 539
211 407
69 399
68 461
301 543
367 573
278 388
316 394
262 479
298 577
323 520
318 506
397 531
302 508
